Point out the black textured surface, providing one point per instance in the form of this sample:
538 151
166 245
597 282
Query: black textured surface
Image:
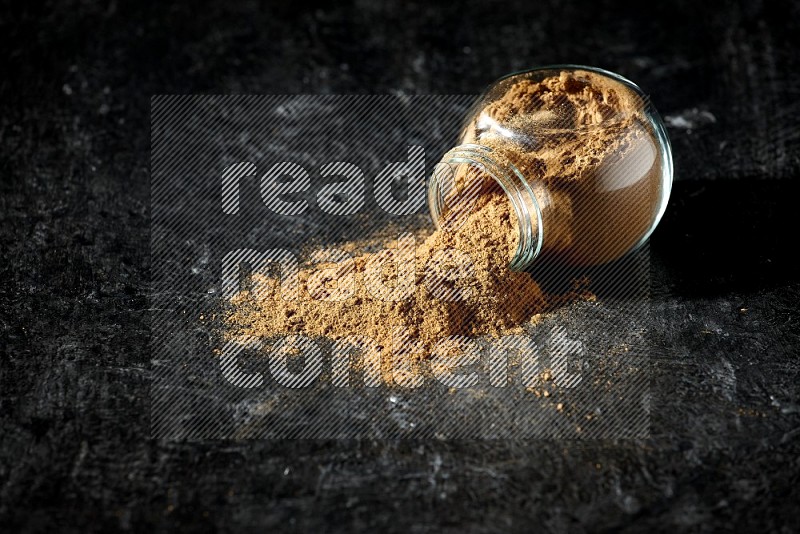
74 370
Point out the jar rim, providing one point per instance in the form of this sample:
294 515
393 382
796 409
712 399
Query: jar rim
514 185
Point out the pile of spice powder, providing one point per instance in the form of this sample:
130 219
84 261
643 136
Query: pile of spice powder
445 296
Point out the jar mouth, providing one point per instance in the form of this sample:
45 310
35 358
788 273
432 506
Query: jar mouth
526 207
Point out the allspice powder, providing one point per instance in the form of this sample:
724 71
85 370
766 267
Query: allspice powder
449 296
589 130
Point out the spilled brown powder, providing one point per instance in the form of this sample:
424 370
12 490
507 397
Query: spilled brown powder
434 292
446 294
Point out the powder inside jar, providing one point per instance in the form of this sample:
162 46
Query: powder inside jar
584 142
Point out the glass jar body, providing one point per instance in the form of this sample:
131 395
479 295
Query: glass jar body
582 155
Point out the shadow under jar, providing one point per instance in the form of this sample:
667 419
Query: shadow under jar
582 155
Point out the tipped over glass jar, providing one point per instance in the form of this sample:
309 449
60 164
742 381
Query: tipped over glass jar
582 155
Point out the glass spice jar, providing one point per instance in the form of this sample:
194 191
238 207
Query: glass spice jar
582 155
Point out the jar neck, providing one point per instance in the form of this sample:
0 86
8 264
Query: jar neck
519 190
